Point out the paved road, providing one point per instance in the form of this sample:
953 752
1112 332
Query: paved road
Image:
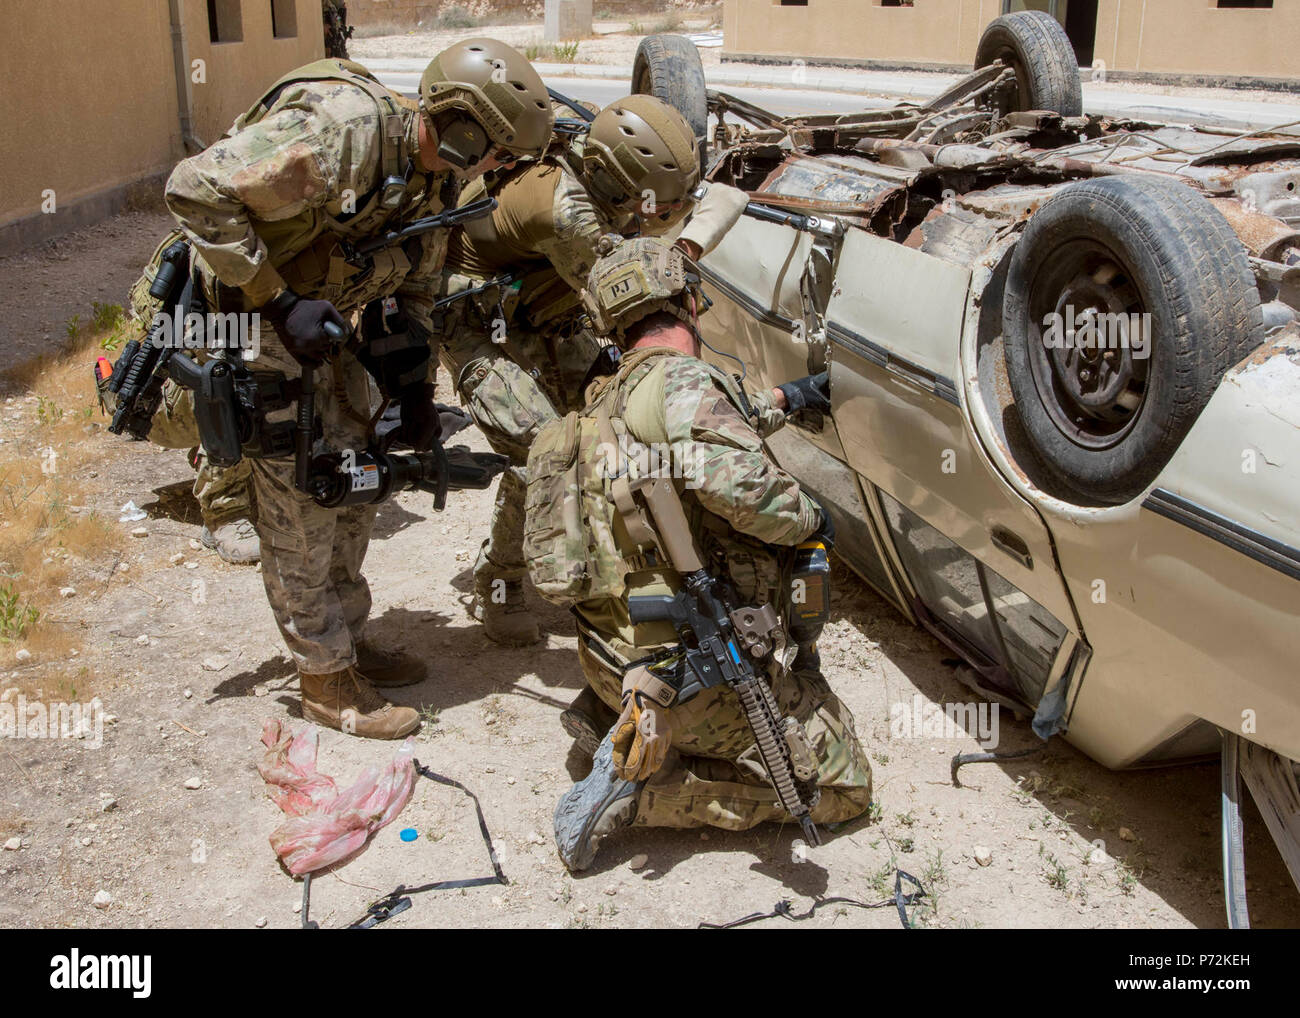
830 91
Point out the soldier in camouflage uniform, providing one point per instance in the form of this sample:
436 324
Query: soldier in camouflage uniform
696 763
326 159
516 353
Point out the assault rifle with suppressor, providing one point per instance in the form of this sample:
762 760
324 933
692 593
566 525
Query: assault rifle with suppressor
720 643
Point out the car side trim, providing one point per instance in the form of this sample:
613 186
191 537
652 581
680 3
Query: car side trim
900 366
747 302
1261 548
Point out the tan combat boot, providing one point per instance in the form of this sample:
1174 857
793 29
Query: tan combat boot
499 604
235 541
345 701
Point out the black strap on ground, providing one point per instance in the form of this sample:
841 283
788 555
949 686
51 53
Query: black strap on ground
398 899
962 759
785 909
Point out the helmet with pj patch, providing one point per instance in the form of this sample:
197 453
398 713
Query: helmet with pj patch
635 278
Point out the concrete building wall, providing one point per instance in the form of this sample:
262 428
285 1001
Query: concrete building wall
91 103
1152 37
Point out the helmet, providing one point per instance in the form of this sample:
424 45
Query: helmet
635 278
637 144
497 86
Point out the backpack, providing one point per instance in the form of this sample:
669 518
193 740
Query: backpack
575 531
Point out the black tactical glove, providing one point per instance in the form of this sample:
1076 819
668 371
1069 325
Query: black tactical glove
812 392
825 531
450 420
301 325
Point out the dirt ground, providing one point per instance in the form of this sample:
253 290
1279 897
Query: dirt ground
191 683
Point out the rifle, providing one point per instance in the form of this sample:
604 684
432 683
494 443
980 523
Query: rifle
138 376
441 221
720 643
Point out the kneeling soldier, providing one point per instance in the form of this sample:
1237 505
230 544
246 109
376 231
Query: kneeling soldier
692 622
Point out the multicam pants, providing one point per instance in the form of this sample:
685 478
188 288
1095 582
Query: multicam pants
311 556
223 493
511 390
713 775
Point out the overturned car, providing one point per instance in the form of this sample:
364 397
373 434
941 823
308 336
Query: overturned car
1064 368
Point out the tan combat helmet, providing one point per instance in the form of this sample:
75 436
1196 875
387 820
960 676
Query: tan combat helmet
497 86
639 144
637 277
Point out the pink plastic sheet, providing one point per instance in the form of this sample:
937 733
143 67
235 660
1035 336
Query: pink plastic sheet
326 826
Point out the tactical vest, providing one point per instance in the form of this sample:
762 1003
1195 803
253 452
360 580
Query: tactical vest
306 248
585 532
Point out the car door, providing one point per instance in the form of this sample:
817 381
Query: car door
978 557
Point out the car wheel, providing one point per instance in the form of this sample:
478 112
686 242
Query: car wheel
669 68
1126 300
1035 45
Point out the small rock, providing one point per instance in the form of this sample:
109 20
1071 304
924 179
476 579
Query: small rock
86 842
67 592
177 559
260 690
703 836
13 844
70 822
491 719
188 694
142 639
193 783
23 655
510 780
1126 835
1097 856
581 908
297 907
107 803
489 770
195 546
261 921
195 565
102 899
140 532
214 664
982 855
124 567
638 861
535 839
612 890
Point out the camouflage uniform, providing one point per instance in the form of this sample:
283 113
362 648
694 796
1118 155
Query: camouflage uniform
223 493
546 226
271 200
746 512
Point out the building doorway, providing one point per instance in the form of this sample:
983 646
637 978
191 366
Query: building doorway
1078 17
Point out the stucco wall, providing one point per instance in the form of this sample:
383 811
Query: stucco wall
1153 36
90 102
238 72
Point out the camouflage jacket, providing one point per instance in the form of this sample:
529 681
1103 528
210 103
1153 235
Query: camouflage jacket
546 224
744 509
268 204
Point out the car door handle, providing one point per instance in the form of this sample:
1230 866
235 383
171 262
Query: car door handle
1013 544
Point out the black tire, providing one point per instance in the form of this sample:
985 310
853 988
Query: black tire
669 68
1047 71
1105 422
